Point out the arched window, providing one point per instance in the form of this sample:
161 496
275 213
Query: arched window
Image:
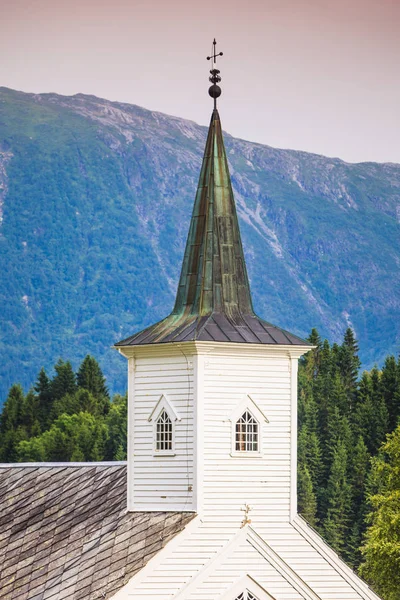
164 434
164 418
246 434
246 596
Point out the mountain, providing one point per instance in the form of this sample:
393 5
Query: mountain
95 202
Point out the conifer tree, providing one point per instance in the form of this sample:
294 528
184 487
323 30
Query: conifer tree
381 413
42 388
360 464
30 419
350 361
64 381
307 502
80 401
390 389
11 415
11 428
91 378
338 430
312 359
322 389
116 421
336 524
309 449
381 550
370 418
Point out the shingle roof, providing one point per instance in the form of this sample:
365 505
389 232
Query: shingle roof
65 532
213 301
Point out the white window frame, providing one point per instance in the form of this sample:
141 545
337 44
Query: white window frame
164 405
247 405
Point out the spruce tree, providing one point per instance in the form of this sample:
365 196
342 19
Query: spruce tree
311 360
12 430
381 413
11 415
307 502
390 389
349 365
336 524
359 470
64 381
309 448
30 419
91 378
42 388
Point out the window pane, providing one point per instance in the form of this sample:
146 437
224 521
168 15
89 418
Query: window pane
164 432
246 433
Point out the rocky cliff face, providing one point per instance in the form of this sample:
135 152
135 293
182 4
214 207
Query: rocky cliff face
95 201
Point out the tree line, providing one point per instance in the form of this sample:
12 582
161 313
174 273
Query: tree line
349 458
348 445
69 417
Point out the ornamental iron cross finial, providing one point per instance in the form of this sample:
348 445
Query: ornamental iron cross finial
214 54
214 91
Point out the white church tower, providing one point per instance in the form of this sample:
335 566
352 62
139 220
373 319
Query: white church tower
212 427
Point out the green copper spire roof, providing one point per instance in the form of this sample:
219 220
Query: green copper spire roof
214 276
213 301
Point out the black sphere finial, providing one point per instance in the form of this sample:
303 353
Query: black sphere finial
214 91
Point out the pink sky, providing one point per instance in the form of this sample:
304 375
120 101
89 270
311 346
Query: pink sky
312 75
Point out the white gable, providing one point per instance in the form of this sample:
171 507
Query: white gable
164 404
248 403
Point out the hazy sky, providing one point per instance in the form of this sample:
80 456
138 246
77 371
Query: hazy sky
313 75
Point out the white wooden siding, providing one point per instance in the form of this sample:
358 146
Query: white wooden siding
161 482
230 482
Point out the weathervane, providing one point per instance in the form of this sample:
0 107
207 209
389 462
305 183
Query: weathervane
214 91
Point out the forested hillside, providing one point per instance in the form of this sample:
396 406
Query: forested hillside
348 465
95 201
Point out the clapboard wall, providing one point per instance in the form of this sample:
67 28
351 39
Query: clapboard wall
234 379
160 482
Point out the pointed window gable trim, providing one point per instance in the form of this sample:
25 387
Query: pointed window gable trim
166 404
247 402
164 417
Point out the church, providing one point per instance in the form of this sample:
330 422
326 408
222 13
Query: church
205 508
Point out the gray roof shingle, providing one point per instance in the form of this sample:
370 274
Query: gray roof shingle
65 531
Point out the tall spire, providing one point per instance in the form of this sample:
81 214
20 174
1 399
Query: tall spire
214 277
213 301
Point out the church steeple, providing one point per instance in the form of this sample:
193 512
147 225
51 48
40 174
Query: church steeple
213 301
214 277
